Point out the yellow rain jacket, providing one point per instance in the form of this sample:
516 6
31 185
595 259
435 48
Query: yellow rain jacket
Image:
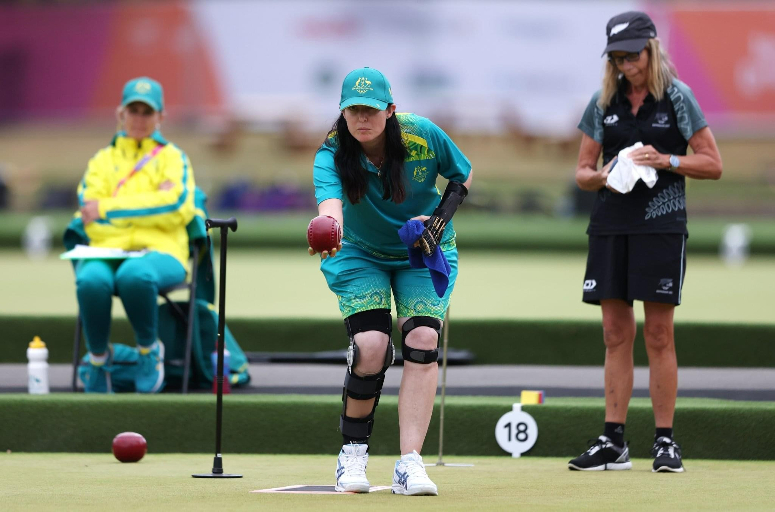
137 214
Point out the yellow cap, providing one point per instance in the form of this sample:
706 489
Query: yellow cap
37 343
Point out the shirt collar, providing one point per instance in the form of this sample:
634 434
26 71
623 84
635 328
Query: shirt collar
156 137
621 92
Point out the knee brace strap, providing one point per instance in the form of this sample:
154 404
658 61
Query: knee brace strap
357 428
363 388
416 355
371 320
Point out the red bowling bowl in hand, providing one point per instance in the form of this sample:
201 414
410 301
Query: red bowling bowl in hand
129 447
324 233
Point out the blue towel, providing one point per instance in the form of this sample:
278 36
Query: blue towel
437 263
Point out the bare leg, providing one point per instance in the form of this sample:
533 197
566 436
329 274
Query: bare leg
359 408
418 391
619 338
663 365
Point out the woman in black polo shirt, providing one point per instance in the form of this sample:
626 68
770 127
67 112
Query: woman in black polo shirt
637 240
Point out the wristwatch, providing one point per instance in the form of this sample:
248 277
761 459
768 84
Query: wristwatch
674 163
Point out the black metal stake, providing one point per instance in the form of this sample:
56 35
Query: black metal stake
217 472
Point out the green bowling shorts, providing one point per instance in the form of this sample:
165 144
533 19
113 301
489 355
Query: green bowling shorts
363 281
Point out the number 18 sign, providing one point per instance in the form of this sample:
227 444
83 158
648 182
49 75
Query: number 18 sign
516 431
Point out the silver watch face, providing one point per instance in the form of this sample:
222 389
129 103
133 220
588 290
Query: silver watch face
674 162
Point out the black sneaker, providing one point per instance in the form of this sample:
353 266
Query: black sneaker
602 455
667 456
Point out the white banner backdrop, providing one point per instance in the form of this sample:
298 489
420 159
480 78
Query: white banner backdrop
477 65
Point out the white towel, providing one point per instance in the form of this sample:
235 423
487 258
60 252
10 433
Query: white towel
625 173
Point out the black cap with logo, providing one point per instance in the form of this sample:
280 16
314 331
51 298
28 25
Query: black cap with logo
629 32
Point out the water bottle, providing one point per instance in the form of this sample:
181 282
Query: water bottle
226 370
735 244
37 367
36 239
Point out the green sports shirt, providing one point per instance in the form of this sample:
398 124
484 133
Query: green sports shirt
373 223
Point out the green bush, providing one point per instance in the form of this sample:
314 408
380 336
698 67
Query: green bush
546 342
308 424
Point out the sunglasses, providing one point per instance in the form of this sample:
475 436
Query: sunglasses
630 57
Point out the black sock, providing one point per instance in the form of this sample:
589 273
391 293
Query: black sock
614 432
664 432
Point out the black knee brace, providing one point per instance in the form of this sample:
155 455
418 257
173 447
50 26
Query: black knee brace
369 386
416 355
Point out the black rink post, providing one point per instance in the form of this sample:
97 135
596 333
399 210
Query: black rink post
217 472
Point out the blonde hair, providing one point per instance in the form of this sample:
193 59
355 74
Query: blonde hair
661 73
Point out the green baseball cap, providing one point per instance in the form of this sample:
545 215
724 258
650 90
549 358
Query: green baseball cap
366 86
145 90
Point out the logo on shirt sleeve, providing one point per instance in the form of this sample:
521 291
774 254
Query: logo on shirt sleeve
590 285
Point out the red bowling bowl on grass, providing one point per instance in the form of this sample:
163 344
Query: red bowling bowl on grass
129 447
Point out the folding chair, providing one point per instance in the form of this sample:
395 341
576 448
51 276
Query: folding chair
199 286
183 316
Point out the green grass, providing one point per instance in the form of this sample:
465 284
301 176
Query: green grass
288 284
163 482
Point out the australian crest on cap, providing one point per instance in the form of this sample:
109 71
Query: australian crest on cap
142 87
362 85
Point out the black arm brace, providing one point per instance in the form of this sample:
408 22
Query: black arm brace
434 227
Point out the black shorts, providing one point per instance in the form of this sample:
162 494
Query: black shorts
649 267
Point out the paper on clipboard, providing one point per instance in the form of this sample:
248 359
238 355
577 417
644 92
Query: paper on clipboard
86 252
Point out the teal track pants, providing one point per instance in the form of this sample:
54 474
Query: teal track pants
137 282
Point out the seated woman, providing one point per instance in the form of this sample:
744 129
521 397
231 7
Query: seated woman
137 193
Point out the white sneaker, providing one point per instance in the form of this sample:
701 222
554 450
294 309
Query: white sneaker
410 478
351 468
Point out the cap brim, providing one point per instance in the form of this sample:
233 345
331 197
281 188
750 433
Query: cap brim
368 102
628 45
141 99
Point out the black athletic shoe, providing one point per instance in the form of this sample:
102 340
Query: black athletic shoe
602 455
667 456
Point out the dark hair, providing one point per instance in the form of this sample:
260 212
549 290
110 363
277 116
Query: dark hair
348 161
